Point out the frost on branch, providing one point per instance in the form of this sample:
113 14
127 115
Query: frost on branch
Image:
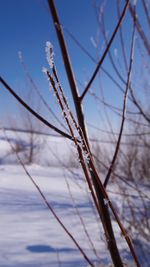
49 54
44 70
106 201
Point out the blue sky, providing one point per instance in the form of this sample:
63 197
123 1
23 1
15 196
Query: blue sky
26 25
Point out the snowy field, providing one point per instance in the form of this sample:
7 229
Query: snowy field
30 236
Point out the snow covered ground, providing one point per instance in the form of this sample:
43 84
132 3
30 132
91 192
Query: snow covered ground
30 236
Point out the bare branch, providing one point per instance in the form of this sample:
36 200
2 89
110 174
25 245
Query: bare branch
123 113
98 188
34 113
106 51
116 133
87 163
132 97
22 130
68 67
82 220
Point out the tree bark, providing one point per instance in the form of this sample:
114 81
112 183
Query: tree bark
104 214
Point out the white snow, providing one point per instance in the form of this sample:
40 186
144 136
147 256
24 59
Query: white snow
30 236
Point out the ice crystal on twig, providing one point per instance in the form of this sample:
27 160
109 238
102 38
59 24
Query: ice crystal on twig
44 70
49 54
106 201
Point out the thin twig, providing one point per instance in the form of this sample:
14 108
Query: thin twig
123 113
82 221
48 204
34 113
125 59
117 133
63 105
106 51
86 52
79 111
98 187
132 97
120 177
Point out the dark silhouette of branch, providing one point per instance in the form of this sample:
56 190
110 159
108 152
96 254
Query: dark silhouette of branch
105 216
68 67
34 113
123 113
106 51
98 187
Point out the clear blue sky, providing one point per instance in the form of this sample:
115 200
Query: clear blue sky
25 25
